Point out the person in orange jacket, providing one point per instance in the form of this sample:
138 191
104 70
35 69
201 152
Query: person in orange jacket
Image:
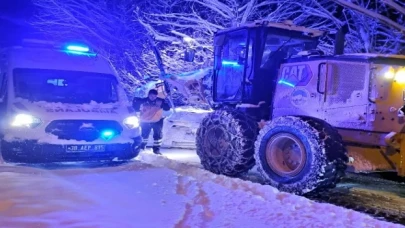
151 117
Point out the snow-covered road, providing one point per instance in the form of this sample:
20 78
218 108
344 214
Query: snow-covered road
156 192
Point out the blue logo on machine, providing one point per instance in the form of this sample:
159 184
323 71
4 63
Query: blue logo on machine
297 75
299 97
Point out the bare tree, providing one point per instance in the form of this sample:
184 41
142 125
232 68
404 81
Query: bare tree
371 30
362 7
119 29
200 19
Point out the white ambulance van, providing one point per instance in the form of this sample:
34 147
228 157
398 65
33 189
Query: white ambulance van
63 103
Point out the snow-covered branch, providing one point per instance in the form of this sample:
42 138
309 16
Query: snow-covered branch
373 14
395 6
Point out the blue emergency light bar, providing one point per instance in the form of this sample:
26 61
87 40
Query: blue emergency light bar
78 50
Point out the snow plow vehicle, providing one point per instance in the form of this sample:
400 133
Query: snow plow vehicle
296 115
63 103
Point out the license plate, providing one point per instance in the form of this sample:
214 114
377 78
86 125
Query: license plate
85 148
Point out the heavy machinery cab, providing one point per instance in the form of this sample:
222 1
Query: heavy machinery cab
273 69
247 60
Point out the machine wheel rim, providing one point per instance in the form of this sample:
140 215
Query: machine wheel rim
286 155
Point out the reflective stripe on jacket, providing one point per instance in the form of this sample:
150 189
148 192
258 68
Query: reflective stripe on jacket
151 111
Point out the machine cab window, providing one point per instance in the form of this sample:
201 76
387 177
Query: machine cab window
230 63
247 62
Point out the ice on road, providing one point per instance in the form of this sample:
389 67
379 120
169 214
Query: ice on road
156 192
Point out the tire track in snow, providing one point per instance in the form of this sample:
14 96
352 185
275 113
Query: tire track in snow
182 188
197 197
203 200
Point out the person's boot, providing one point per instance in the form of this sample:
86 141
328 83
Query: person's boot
156 150
143 146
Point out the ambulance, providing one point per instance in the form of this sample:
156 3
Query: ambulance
63 103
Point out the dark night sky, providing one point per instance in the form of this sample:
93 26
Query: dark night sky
16 8
13 17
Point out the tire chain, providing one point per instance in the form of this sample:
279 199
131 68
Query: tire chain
241 152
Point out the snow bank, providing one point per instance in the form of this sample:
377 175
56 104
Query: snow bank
163 193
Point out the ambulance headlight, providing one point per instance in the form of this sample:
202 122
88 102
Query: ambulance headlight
131 122
25 120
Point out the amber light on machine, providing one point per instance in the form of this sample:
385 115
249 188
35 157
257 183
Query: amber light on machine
390 73
394 73
400 76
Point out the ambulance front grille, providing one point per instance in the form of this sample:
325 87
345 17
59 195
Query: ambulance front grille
87 130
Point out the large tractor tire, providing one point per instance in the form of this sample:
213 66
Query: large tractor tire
300 154
225 142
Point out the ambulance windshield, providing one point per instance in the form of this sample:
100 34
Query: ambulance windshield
65 86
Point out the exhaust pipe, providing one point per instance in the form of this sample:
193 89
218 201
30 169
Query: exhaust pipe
340 40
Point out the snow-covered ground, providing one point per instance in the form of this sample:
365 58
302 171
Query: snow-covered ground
154 191
187 156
